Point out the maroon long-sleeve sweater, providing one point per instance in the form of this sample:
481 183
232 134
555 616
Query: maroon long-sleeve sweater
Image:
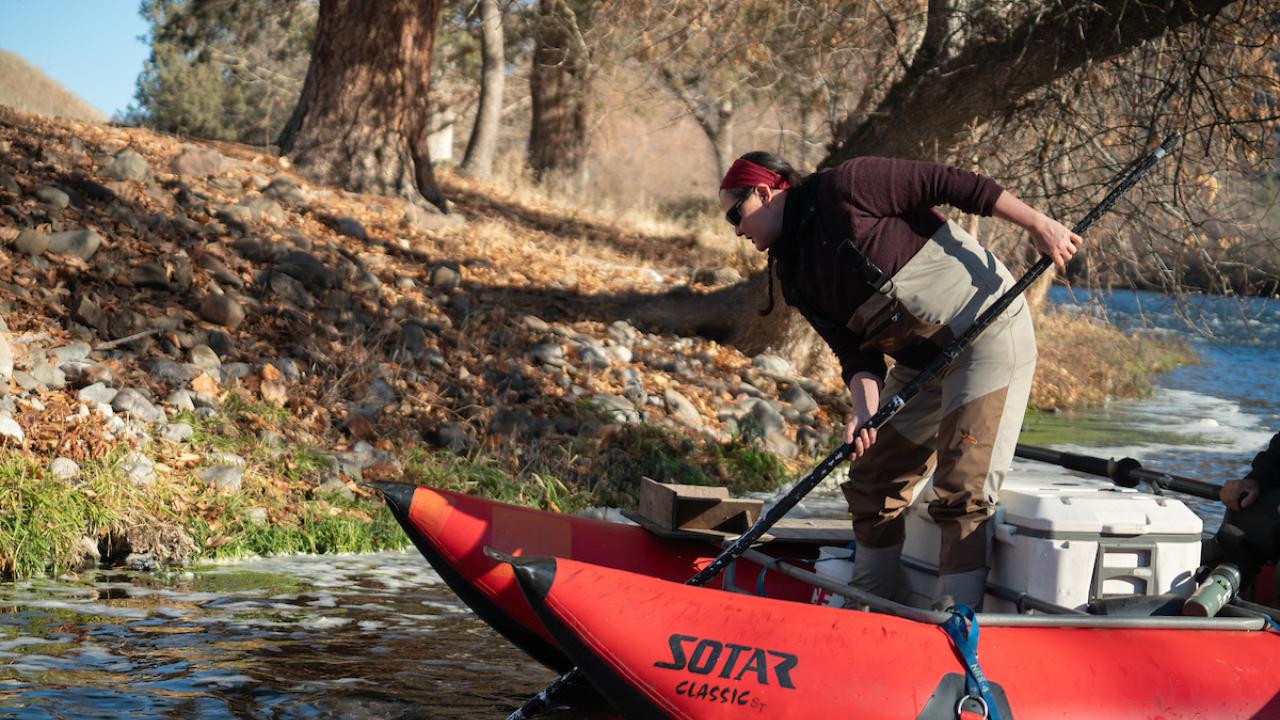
884 208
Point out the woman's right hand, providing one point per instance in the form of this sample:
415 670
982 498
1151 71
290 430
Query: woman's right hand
1054 240
864 391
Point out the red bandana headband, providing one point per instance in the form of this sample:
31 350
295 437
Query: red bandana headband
744 173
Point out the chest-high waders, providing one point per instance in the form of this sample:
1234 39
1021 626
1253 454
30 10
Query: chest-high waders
963 426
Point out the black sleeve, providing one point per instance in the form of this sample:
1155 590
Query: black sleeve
844 343
1266 466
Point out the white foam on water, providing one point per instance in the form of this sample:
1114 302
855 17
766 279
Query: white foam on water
79 608
171 613
37 664
324 623
195 598
20 642
1207 423
101 659
454 608
236 622
222 681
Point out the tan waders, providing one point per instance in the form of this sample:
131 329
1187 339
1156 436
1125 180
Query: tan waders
963 426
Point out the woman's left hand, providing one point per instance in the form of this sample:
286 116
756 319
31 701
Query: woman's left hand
1054 240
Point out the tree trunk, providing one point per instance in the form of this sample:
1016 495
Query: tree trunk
714 118
558 85
722 141
361 121
478 159
985 78
731 316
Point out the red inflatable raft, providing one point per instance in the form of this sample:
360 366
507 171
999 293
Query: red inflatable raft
658 649
452 531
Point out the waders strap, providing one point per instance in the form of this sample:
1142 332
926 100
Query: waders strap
870 273
764 569
962 628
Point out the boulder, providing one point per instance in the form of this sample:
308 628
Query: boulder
31 242
64 468
615 408
224 477
196 162
222 309
128 165
138 469
9 428
78 243
53 197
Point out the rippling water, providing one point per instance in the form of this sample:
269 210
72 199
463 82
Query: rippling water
371 636
1204 421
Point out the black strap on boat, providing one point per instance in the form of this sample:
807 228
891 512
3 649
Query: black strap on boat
977 703
763 570
1271 624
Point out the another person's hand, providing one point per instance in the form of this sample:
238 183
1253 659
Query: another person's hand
1240 494
1054 240
864 391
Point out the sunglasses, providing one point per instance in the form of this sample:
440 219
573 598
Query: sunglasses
734 213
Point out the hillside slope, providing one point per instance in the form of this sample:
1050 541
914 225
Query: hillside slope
25 87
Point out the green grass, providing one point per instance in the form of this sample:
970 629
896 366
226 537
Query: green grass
43 518
637 451
1094 428
752 468
179 519
602 466
328 523
486 477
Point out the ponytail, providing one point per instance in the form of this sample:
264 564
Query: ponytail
769 295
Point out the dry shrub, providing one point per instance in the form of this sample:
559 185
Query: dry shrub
1086 362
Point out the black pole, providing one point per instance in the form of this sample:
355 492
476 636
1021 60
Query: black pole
881 418
1125 472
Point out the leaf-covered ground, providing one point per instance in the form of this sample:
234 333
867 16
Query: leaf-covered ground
235 350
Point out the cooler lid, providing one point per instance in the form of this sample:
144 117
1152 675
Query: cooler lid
1062 503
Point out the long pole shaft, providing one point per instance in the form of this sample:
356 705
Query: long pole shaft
1125 472
880 419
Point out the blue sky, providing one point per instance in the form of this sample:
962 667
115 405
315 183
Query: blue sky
90 46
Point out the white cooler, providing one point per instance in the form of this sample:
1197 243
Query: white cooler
1068 540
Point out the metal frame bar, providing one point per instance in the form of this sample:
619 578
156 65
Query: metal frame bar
935 617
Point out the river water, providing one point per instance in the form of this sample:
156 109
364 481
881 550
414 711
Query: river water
381 636
346 636
1203 421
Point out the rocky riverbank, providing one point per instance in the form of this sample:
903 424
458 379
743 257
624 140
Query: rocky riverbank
203 354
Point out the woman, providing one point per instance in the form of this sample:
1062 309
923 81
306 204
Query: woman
859 250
